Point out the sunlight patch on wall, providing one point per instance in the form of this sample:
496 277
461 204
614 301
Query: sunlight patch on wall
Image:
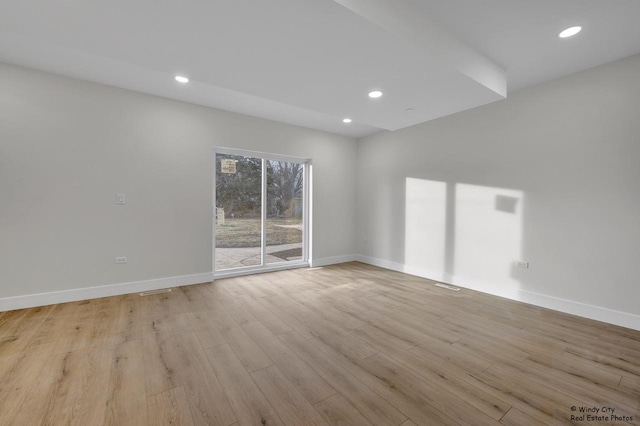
488 232
425 224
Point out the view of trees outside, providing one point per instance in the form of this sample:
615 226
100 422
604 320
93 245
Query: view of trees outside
238 211
284 187
240 193
284 210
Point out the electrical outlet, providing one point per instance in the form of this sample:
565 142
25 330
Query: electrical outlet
523 265
122 259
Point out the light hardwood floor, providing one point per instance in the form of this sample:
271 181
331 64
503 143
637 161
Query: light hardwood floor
348 344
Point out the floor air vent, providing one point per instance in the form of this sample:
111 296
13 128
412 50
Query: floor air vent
150 292
448 287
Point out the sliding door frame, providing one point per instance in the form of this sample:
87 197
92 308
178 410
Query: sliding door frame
306 215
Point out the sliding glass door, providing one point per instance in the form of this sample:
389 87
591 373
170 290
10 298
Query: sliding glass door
261 210
238 211
285 207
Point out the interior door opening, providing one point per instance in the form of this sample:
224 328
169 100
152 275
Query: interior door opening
260 212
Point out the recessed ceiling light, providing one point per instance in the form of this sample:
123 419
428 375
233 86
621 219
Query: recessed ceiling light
181 79
569 32
375 94
346 120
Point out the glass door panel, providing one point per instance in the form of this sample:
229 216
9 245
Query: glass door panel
285 211
238 221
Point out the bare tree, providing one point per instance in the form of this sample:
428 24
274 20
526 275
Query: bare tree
284 184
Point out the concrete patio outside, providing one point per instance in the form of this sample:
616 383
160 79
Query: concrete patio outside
228 258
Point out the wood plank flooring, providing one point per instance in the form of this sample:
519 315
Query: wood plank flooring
347 344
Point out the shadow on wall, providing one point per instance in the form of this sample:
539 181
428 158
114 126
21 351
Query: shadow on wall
461 231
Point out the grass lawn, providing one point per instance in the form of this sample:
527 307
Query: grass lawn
237 233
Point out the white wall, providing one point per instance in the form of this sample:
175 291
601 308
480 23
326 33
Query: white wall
67 147
551 176
548 176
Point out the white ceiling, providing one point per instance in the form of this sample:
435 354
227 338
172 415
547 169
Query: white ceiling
312 62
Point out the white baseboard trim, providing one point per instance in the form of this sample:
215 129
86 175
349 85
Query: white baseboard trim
74 295
597 313
610 316
43 299
324 261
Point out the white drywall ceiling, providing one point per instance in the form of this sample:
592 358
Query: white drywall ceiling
312 62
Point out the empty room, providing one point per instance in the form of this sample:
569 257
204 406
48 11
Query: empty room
320 212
